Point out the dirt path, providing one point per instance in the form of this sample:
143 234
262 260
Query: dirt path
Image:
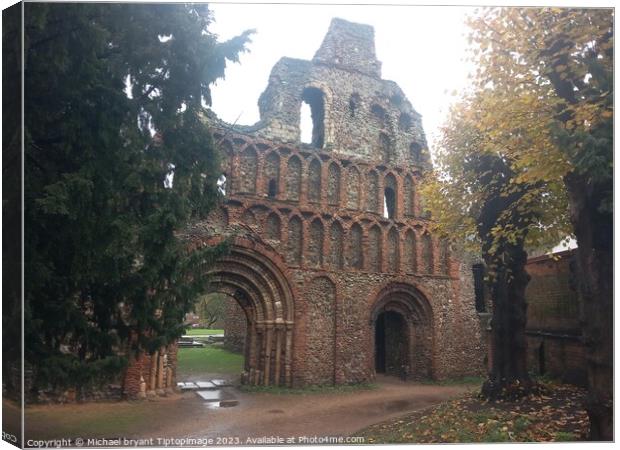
258 415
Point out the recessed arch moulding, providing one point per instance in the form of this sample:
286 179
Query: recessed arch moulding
256 278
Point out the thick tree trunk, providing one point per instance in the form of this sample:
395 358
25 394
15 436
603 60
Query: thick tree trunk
508 377
594 231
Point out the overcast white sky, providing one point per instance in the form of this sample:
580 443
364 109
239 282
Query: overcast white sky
422 48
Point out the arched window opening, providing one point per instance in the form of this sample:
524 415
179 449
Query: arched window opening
333 184
444 256
389 203
389 197
271 172
305 124
272 189
372 195
427 253
356 247
408 196
315 244
374 249
411 253
273 227
314 181
353 188
314 103
293 178
248 163
294 241
248 218
393 257
336 255
221 184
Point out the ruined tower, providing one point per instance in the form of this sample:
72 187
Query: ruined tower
331 258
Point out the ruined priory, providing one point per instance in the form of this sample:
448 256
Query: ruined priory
332 262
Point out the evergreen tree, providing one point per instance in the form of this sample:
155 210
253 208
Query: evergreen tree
118 159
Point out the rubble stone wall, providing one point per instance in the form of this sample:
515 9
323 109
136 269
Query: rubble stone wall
327 235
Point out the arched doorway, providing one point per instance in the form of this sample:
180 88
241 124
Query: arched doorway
257 283
391 344
213 345
402 333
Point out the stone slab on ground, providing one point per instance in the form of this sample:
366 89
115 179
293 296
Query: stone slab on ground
188 386
210 396
206 385
228 403
221 382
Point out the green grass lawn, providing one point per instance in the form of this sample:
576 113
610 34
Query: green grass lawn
106 419
209 359
202 331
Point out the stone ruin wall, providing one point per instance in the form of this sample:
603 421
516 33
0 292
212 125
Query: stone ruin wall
321 206
340 251
235 327
315 214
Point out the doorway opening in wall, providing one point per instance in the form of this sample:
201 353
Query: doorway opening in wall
213 345
391 344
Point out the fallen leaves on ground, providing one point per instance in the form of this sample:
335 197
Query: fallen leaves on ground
556 415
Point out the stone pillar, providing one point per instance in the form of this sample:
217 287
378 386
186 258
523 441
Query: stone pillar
281 187
152 375
261 181
160 371
259 355
288 355
278 355
142 393
133 375
251 352
324 184
267 360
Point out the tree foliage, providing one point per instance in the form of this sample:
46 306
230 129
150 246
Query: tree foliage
475 167
210 308
543 94
566 57
117 160
560 62
479 194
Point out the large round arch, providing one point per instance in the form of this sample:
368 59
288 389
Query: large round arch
256 279
402 338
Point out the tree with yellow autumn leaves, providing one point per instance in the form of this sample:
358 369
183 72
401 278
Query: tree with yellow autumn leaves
526 159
